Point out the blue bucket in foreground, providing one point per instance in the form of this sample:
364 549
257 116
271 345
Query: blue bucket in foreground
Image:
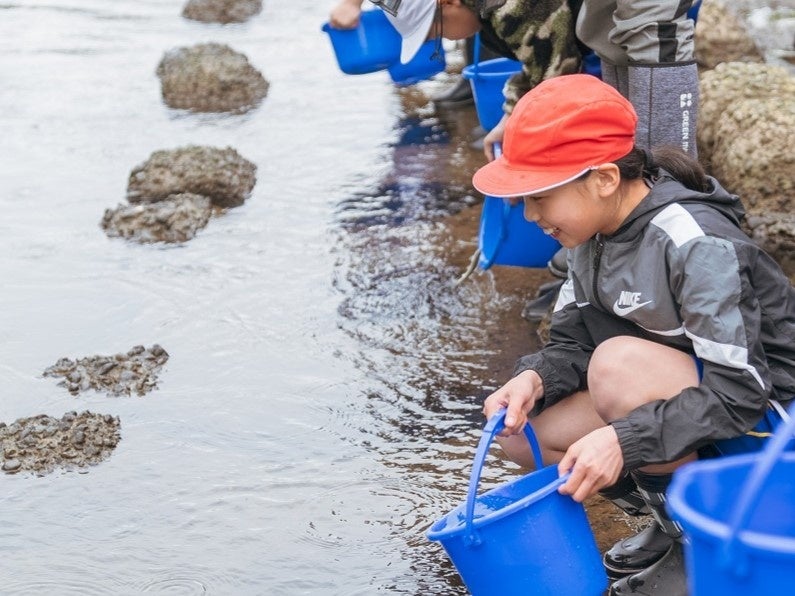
487 80
422 66
522 537
505 237
373 45
738 514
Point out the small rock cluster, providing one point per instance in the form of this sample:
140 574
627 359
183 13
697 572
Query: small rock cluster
41 444
173 193
122 374
171 197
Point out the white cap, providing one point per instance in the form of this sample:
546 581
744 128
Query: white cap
413 22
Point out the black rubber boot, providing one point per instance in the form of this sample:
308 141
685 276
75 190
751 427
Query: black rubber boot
457 96
636 553
538 307
667 576
642 550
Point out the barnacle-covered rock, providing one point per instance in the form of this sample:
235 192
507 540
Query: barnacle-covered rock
210 77
222 175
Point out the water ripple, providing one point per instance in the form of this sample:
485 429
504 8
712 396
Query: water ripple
176 586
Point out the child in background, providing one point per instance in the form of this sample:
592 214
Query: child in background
647 53
539 34
674 334
345 15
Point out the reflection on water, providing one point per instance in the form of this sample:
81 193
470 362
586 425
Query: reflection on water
322 400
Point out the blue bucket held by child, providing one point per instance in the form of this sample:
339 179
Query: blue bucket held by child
522 537
505 237
374 45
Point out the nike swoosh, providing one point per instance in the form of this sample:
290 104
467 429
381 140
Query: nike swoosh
623 311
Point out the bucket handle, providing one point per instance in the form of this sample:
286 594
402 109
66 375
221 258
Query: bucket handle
494 425
476 55
732 556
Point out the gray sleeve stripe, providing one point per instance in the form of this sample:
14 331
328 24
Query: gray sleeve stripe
724 354
565 296
678 224
666 333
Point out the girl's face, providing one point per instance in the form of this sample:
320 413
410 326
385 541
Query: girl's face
458 21
575 212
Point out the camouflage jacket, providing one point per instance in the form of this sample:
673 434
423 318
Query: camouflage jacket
537 33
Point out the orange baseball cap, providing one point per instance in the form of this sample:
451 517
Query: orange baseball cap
559 130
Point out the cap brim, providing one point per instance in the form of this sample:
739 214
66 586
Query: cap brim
498 179
413 42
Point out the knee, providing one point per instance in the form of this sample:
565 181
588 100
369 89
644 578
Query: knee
610 373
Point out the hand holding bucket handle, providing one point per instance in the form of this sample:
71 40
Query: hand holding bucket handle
494 425
733 557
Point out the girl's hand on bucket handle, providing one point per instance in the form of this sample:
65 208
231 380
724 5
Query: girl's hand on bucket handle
517 396
494 136
595 462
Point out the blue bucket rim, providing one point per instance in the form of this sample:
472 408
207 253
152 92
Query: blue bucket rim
479 522
472 71
709 527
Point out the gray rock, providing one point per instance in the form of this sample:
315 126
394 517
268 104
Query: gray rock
134 372
222 175
221 11
74 441
210 77
723 36
175 219
753 154
729 83
775 232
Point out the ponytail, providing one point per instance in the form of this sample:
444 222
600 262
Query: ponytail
640 164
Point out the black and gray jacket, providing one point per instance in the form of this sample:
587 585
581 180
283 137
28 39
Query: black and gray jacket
679 272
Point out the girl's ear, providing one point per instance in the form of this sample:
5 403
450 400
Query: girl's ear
607 178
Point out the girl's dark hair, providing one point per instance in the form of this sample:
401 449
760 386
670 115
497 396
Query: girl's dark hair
639 164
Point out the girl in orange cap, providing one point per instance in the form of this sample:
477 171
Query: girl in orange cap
673 337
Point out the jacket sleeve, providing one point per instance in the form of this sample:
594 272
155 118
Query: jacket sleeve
542 39
563 363
711 281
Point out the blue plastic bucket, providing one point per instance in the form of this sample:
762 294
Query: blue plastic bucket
423 66
373 45
738 514
505 237
522 537
487 80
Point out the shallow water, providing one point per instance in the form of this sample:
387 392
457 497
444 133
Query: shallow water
322 400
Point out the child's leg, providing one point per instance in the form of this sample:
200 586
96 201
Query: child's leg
615 389
627 372
557 427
